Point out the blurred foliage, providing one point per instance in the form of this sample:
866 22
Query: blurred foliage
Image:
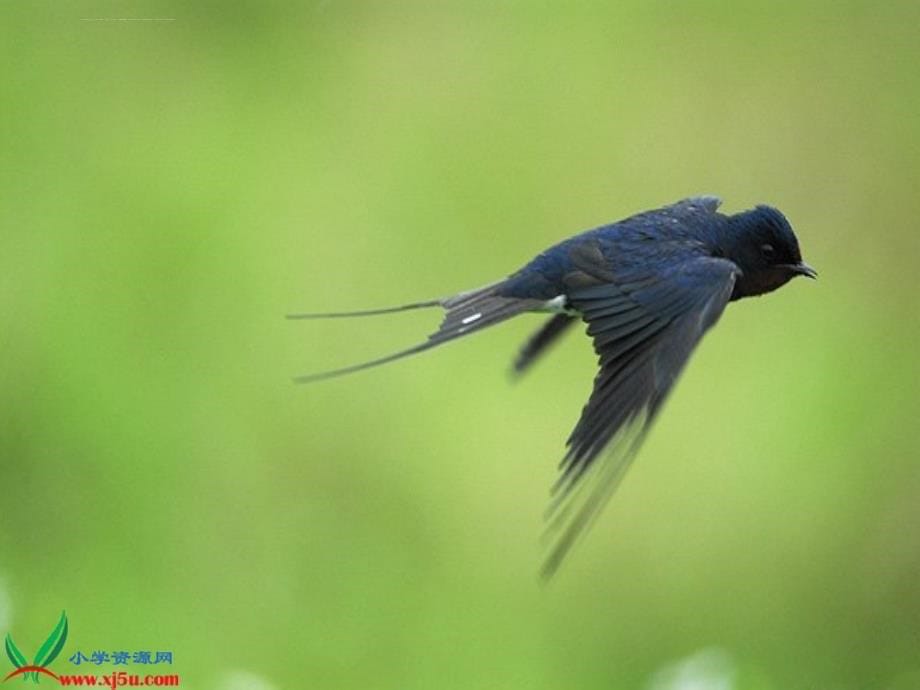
171 189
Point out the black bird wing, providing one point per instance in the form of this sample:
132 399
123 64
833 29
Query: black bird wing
644 331
541 339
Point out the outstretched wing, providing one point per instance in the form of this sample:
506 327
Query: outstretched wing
643 332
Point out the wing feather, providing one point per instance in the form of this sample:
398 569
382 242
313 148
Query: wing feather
541 340
644 331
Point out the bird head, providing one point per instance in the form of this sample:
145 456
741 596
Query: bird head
762 244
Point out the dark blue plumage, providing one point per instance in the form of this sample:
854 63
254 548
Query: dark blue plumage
647 287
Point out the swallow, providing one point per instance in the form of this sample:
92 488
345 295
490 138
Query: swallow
647 287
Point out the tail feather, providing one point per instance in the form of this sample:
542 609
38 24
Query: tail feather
467 313
310 378
366 312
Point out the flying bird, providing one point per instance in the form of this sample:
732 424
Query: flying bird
648 287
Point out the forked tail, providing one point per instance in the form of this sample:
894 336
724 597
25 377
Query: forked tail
467 312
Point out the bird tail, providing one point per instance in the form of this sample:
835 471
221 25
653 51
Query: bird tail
467 312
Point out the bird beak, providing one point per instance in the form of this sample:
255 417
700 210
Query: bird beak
803 269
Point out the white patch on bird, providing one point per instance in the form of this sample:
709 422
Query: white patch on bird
557 305
470 319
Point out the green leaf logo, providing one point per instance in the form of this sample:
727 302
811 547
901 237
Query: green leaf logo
13 652
53 645
47 653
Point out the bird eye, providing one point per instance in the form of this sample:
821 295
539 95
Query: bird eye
767 250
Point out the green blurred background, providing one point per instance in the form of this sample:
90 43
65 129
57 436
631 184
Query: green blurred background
171 189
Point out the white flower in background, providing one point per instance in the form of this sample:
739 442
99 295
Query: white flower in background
708 669
6 607
244 680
